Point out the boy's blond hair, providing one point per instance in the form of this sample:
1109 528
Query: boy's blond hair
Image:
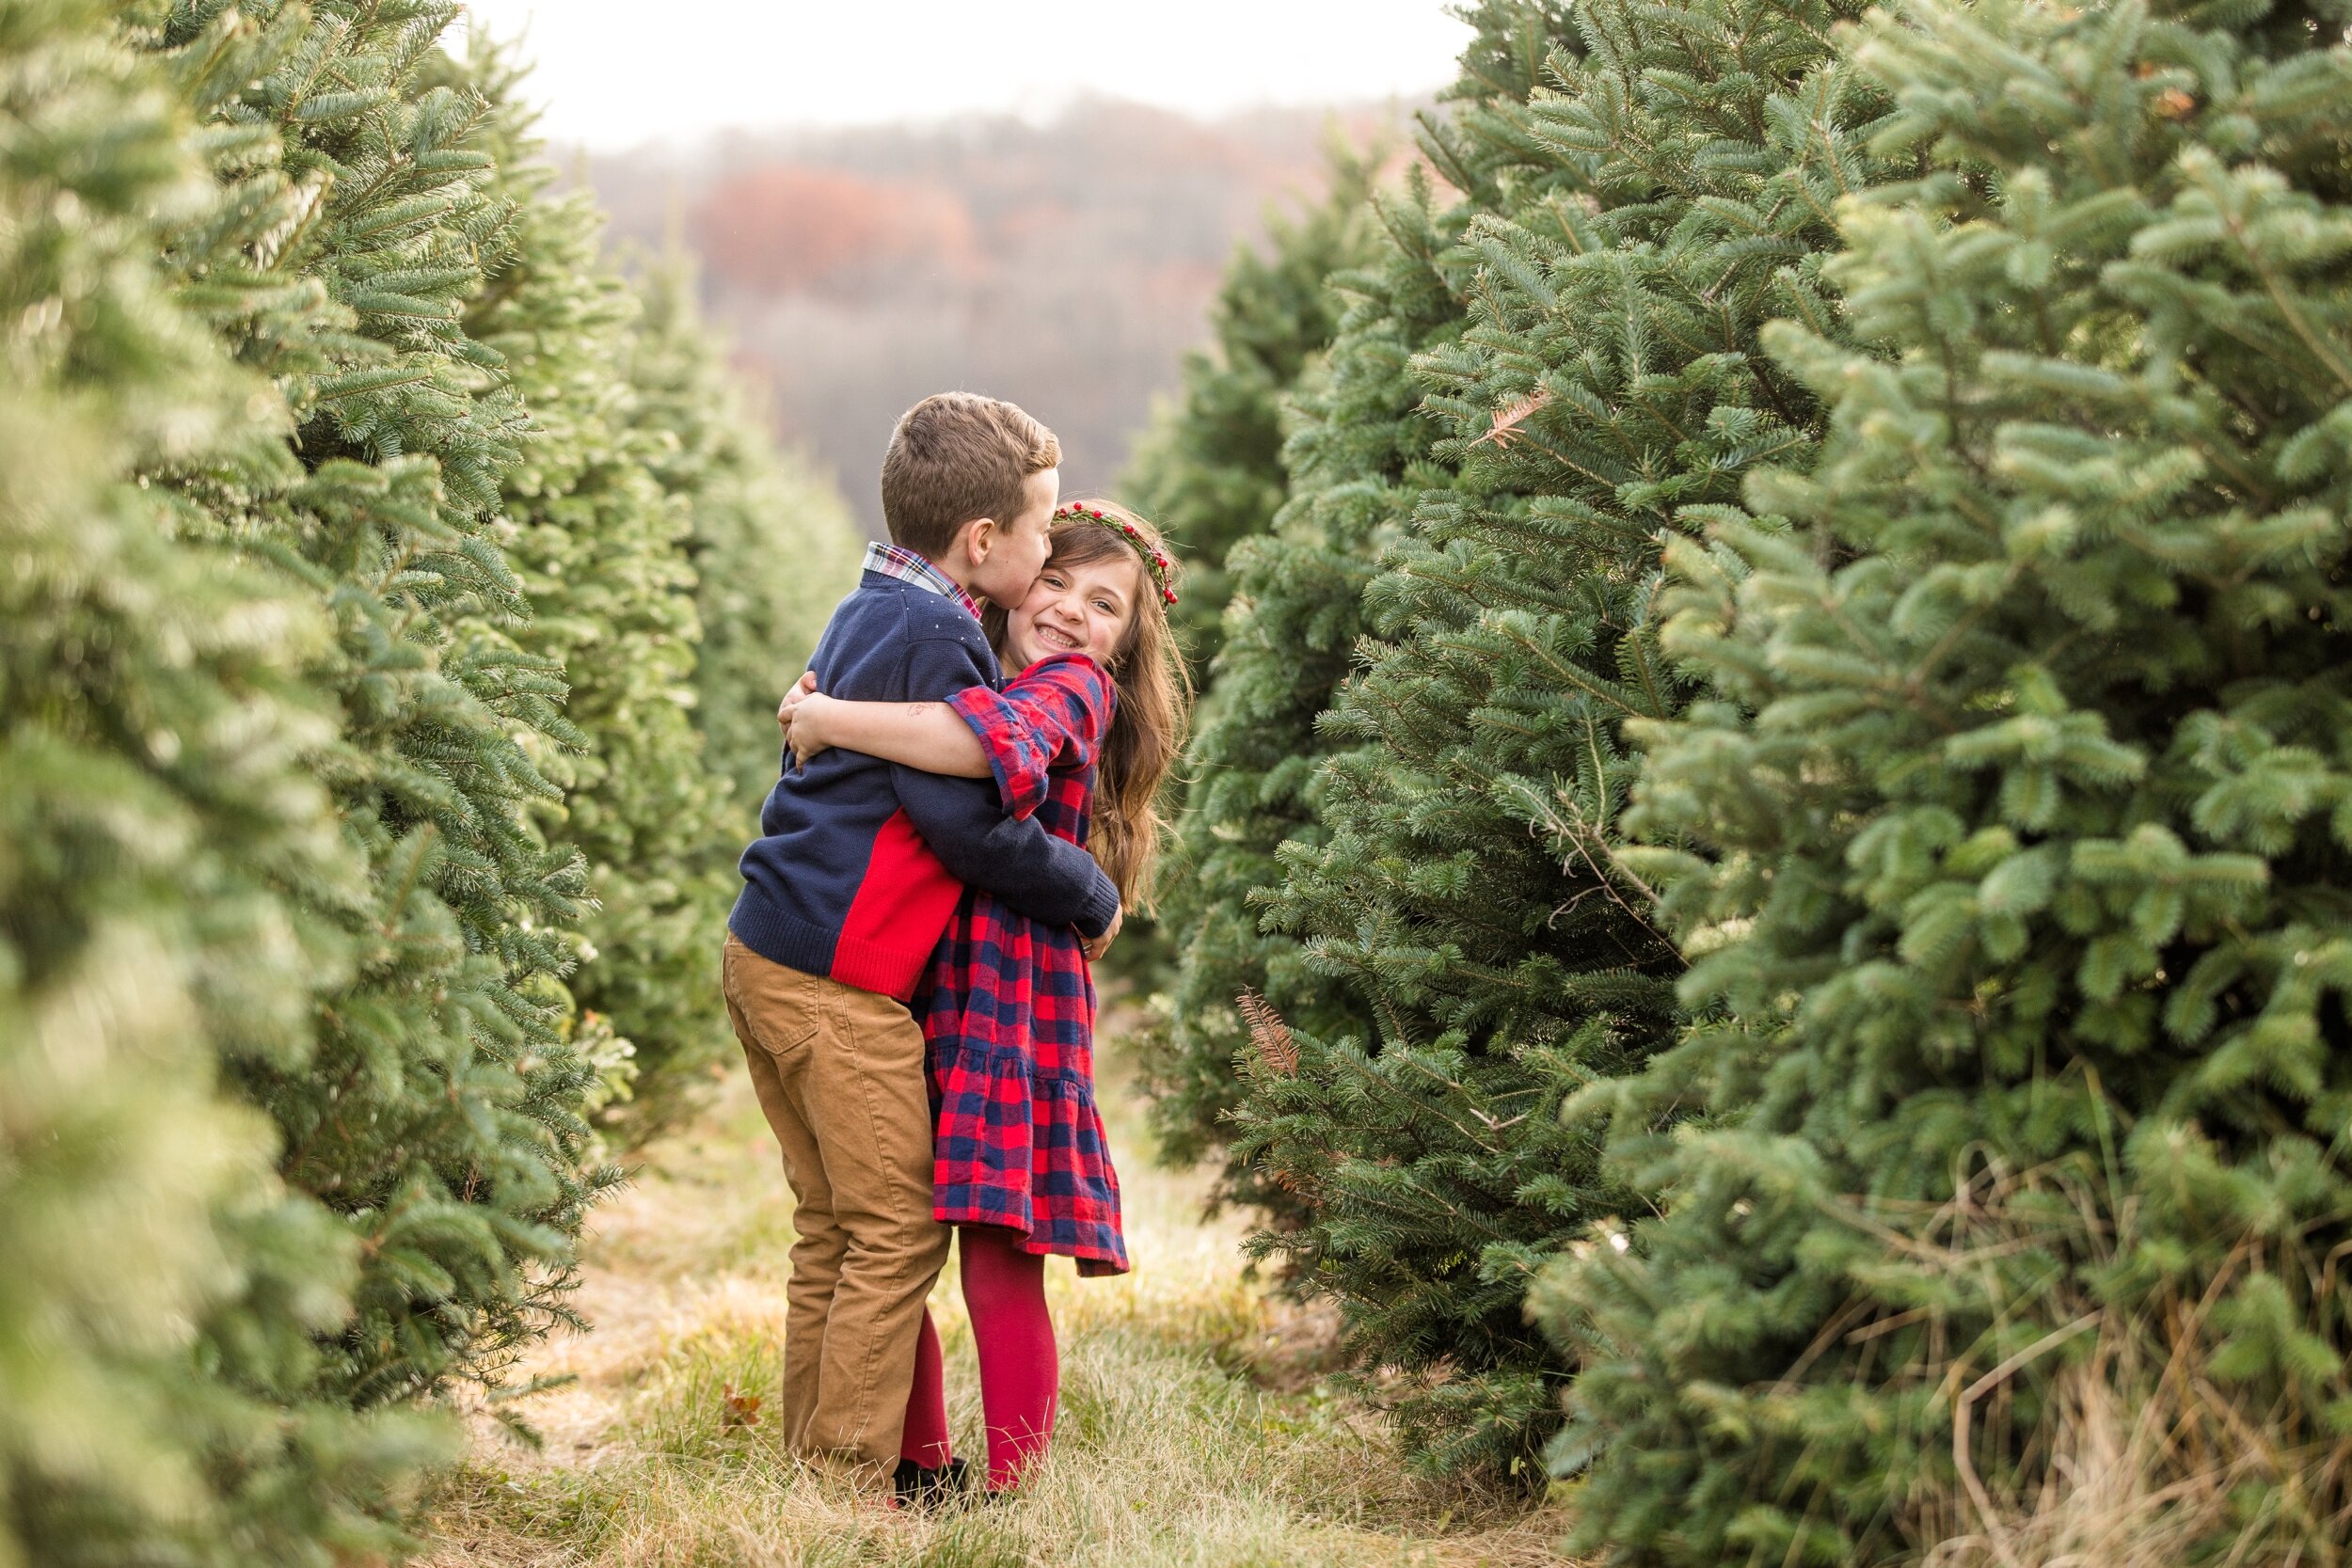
956 456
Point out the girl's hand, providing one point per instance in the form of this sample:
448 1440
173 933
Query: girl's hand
801 688
801 718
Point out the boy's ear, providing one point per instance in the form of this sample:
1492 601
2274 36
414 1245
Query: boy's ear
976 538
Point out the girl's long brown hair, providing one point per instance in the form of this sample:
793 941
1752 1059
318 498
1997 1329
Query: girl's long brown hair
1154 703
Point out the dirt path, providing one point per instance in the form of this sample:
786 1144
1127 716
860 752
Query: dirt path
1167 1452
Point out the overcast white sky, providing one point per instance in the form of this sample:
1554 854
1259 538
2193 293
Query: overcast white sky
610 78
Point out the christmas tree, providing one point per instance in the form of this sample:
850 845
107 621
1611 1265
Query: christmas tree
306 363
2010 850
1636 220
772 543
1355 462
439 1114
160 1290
1209 471
647 489
771 549
601 546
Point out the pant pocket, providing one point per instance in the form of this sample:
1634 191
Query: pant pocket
778 1005
787 1039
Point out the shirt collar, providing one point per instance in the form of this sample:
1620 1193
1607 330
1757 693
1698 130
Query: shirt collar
894 560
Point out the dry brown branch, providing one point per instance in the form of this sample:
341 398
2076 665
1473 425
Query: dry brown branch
1269 1034
1508 417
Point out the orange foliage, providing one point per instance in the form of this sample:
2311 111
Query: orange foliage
785 226
1066 265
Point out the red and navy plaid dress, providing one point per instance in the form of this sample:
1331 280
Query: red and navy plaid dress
1008 1005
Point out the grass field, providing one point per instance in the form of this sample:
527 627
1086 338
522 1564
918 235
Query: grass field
1193 1429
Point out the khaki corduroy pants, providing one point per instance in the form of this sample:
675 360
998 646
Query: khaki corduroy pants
839 1073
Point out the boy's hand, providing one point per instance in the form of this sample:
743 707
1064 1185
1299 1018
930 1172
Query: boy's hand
1097 946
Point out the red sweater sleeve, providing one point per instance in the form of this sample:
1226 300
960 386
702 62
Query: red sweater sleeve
1052 715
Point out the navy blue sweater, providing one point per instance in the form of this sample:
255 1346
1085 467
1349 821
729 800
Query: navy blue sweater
860 863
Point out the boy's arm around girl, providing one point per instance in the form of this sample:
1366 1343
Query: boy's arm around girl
860 861
1050 879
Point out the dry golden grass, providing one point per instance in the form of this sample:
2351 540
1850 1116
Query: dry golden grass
2111 1436
1166 1453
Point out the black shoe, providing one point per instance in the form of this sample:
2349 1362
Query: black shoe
928 1487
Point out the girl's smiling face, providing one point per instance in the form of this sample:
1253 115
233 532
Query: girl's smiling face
1077 606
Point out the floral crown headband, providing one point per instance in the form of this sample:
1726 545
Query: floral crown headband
1153 557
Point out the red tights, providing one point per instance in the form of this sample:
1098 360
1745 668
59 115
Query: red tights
1004 1290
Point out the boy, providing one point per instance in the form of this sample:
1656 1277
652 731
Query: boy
851 885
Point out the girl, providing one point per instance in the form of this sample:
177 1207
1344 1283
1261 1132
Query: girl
1081 736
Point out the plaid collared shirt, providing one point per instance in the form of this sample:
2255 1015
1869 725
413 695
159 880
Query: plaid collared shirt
894 560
